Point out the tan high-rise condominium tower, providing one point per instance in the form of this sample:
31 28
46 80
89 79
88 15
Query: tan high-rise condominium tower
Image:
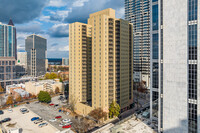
101 62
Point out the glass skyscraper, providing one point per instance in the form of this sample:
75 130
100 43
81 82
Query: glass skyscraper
36 47
8 53
8 42
137 12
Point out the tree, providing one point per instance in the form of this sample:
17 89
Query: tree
53 76
1 89
51 92
98 114
114 109
61 80
47 75
18 98
82 126
2 100
44 96
57 90
72 102
9 100
33 96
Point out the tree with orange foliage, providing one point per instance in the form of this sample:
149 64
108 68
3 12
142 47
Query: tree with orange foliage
9 100
1 89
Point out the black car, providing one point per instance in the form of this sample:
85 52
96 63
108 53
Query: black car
1 112
56 105
6 120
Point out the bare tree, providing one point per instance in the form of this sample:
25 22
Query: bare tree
2 98
18 98
98 114
82 126
72 102
57 90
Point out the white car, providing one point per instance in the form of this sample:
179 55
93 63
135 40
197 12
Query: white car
62 124
67 113
66 120
10 110
42 124
24 110
53 120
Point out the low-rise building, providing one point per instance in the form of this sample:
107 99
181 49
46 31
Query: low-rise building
21 92
10 88
43 85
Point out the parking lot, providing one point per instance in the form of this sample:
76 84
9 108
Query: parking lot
19 120
49 112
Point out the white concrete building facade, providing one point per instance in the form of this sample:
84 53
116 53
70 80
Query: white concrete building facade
177 88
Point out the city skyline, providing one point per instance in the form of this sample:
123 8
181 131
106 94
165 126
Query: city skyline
50 19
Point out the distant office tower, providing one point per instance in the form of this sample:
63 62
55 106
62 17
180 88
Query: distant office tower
21 66
8 45
65 61
22 59
36 48
55 61
178 67
137 12
101 62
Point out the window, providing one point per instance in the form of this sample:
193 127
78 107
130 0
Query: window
192 11
192 36
155 17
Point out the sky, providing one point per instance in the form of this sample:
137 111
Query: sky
50 19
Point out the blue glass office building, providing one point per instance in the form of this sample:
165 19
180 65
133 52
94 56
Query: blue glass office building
8 53
8 44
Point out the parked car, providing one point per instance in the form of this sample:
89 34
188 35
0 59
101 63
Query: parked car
56 105
37 102
66 120
43 124
6 120
34 118
38 121
1 112
67 113
53 120
62 124
10 110
60 98
51 104
24 110
66 126
58 117
27 103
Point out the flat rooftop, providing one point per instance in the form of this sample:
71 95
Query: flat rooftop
24 121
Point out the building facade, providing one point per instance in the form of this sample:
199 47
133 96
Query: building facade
8 54
175 73
103 47
80 68
22 59
34 87
137 12
65 61
36 48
